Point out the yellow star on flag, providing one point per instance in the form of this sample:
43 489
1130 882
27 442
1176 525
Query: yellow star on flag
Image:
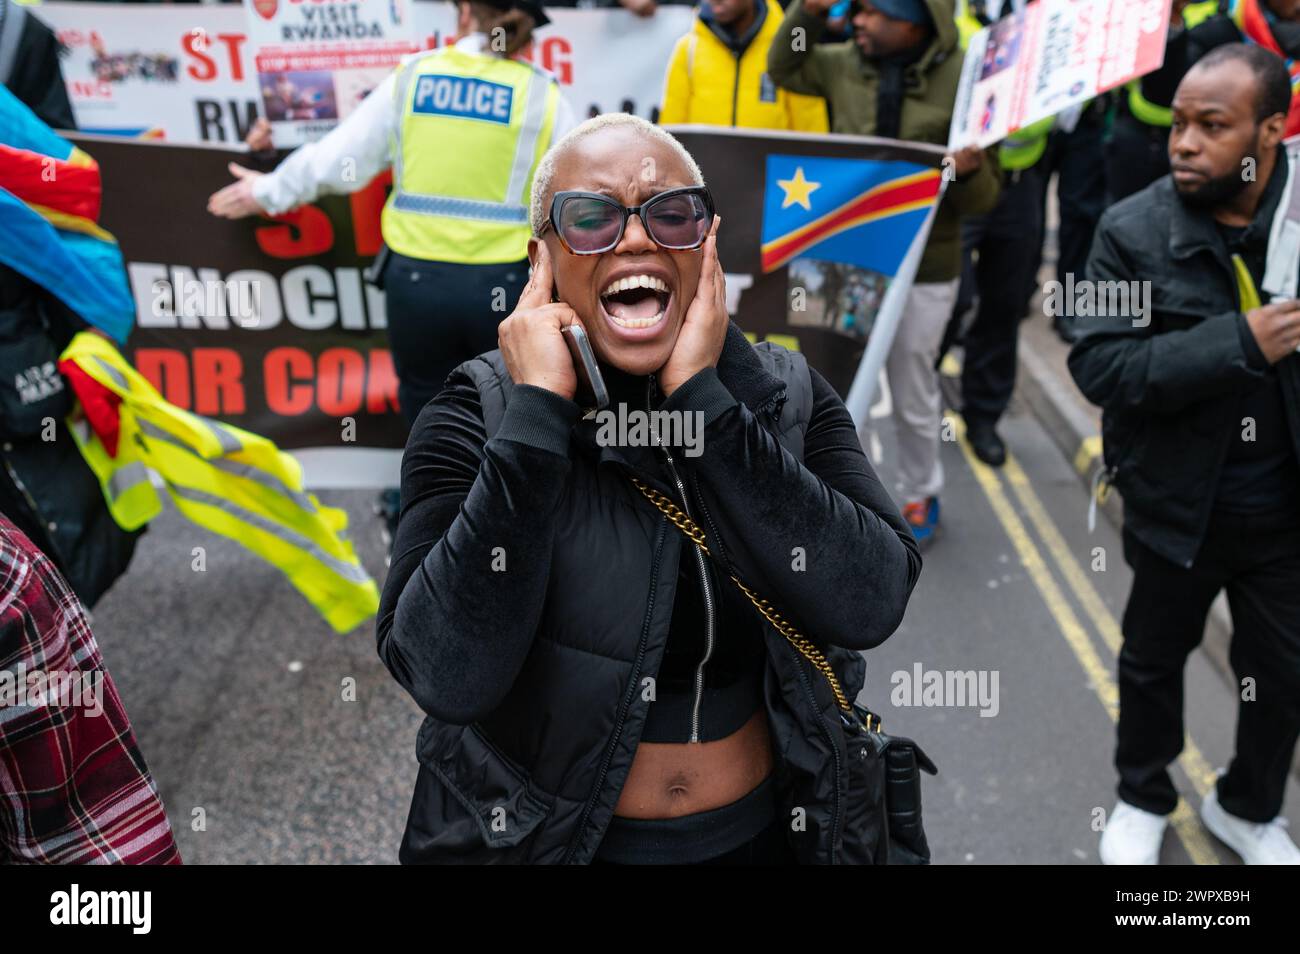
797 190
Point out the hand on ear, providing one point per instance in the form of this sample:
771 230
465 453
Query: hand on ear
540 252
704 327
530 338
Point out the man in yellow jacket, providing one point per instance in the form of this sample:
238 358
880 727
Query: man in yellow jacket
718 73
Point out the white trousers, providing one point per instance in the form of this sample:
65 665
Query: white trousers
914 388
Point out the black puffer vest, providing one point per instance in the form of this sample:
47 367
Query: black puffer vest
537 780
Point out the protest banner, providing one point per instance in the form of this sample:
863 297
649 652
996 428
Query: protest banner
185 73
267 325
270 326
1052 55
316 60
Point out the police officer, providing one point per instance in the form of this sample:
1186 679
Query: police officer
463 129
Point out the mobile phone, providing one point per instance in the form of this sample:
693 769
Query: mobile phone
592 394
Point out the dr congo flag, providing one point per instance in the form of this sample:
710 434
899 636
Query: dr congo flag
820 240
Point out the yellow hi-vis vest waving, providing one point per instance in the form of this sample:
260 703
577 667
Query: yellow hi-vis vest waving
471 130
228 480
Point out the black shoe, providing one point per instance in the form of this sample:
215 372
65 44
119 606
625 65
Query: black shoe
987 445
1066 330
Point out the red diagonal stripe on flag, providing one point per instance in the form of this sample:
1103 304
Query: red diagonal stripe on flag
53 183
877 199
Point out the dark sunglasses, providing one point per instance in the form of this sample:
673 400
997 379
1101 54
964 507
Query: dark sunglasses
588 223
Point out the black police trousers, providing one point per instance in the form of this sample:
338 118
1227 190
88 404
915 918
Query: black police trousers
440 315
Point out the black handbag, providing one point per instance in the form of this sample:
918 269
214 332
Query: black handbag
902 761
884 770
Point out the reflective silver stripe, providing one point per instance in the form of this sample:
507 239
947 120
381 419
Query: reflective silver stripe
349 571
125 478
82 430
230 444
118 378
461 208
529 130
267 480
399 106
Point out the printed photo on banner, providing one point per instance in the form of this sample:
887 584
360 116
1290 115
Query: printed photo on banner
835 296
315 62
1051 55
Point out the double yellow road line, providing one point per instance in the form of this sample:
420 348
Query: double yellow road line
1185 823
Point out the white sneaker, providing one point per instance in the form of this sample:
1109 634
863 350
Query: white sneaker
1258 843
1132 836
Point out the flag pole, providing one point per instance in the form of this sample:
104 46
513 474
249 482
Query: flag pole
863 390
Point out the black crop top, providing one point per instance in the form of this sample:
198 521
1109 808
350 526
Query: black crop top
733 676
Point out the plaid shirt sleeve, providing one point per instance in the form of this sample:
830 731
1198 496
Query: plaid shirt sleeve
74 788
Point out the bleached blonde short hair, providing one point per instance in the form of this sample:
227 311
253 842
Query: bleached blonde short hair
537 207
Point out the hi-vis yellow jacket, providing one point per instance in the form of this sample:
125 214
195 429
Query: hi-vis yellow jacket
228 480
472 129
708 83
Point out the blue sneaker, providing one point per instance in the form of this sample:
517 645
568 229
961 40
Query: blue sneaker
923 517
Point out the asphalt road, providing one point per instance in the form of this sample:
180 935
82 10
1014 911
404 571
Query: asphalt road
235 687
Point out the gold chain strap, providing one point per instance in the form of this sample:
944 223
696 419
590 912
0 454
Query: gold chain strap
805 647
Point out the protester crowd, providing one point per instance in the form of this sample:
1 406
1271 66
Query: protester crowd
1179 181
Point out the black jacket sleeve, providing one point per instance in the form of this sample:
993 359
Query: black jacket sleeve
860 559
1121 364
472 553
796 61
37 77
471 559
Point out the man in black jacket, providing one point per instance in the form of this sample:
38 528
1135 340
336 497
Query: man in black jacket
1135 149
1200 388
